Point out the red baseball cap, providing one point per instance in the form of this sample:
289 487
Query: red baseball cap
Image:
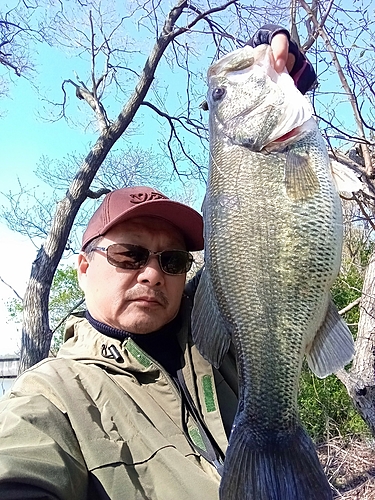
126 203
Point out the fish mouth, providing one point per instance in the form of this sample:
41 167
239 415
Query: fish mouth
257 145
289 135
254 144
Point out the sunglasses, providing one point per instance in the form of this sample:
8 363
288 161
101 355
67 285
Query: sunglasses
136 257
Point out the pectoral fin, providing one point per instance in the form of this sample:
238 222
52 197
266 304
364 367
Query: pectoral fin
301 181
333 345
210 333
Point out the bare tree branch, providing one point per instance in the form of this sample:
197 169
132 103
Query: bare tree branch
62 321
350 306
344 83
13 290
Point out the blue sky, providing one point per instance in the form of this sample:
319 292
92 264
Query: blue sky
26 136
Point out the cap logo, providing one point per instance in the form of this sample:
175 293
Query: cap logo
142 197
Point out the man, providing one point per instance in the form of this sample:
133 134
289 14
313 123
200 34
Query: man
104 420
129 409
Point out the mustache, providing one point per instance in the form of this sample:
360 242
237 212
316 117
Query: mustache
138 292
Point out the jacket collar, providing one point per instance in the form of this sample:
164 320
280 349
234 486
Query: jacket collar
85 343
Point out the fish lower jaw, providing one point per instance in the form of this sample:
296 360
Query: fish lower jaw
291 137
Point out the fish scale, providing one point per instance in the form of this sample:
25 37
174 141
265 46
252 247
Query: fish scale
273 239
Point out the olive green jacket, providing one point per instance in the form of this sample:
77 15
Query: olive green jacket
87 426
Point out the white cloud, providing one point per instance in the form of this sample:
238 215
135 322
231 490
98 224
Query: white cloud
16 256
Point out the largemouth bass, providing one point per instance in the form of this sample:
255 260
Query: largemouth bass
273 241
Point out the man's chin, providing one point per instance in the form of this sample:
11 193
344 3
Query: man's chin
142 320
143 325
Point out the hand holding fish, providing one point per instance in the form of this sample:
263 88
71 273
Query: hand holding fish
280 50
287 53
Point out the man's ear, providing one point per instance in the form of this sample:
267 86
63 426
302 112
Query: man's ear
82 267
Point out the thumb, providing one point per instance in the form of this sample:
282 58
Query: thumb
280 47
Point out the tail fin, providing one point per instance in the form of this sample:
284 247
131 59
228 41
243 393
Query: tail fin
283 469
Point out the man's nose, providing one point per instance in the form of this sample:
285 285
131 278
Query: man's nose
151 273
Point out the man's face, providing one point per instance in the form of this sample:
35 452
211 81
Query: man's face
138 301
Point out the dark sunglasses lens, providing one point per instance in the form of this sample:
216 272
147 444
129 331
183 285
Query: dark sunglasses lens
175 261
127 256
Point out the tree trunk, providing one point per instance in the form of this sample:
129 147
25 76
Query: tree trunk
36 333
360 379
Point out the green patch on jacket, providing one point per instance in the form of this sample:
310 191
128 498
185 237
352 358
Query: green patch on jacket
197 439
208 392
139 355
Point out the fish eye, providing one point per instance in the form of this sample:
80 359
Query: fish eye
218 93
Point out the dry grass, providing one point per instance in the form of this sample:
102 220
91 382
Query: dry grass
350 468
